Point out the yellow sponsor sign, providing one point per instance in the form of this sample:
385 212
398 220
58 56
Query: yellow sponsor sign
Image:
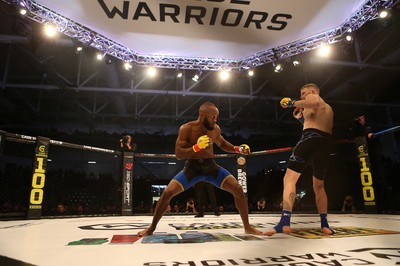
348 231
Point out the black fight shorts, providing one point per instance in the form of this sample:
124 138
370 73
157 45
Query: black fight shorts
312 149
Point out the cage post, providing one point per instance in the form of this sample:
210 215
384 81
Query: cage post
38 178
127 180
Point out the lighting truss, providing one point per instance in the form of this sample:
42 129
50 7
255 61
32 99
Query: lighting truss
368 11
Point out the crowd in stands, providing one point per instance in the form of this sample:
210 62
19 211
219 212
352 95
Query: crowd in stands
72 192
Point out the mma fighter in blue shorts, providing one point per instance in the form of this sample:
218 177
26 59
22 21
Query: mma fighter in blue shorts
195 144
313 149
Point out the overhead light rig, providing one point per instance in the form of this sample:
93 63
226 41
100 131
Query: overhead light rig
368 11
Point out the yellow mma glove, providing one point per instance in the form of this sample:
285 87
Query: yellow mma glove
287 102
202 143
242 149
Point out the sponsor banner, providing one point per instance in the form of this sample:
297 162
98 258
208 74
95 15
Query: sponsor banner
347 231
159 238
88 242
366 175
38 178
225 237
115 226
191 226
203 237
241 172
363 256
127 181
229 29
205 226
183 241
124 239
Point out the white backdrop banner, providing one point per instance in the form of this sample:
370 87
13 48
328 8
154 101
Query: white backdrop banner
228 29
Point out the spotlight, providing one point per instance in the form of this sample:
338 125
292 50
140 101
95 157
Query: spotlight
77 46
23 11
278 68
349 38
100 56
383 13
224 75
151 72
127 66
250 73
50 30
197 76
296 63
109 60
179 75
324 50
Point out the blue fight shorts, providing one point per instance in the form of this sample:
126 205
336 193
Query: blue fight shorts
196 170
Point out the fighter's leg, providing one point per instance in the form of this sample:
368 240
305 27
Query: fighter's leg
212 199
289 196
200 198
321 200
173 189
231 185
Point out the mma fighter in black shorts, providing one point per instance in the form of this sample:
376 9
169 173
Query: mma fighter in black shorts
313 148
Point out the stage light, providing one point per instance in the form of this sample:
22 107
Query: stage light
250 73
324 50
349 38
100 56
77 46
23 11
224 75
278 68
127 66
109 60
179 75
50 30
151 72
296 63
197 76
383 13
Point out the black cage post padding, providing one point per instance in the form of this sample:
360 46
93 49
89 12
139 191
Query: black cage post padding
38 178
127 182
368 191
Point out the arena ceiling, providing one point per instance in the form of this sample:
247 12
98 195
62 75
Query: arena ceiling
47 85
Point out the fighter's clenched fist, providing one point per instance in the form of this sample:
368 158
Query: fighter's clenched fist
243 149
202 143
287 102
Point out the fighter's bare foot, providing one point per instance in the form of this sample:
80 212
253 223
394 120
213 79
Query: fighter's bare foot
327 231
146 232
252 231
285 230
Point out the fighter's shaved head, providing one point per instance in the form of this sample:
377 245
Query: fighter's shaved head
205 107
315 86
